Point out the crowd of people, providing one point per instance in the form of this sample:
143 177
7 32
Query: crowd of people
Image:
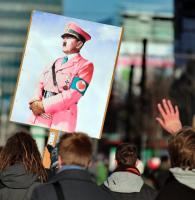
23 177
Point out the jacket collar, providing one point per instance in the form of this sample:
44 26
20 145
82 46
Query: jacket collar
68 167
59 65
133 170
124 182
77 174
186 177
70 56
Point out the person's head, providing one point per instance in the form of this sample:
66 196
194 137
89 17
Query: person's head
126 155
74 38
22 148
182 149
75 149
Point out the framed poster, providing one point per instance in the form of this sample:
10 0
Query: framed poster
66 74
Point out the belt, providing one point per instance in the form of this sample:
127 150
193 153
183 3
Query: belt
47 94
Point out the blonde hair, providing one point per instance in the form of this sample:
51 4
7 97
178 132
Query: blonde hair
182 149
75 149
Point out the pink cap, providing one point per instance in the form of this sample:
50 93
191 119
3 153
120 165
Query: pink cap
73 29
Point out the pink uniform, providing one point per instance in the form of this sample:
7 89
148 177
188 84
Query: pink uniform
72 80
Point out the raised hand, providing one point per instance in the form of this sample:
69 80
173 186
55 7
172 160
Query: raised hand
169 117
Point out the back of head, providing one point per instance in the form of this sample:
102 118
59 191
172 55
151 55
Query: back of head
21 148
126 155
182 149
75 149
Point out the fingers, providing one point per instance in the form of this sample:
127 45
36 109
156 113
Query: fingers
31 107
37 111
177 111
36 107
160 121
46 116
32 101
165 106
171 109
161 110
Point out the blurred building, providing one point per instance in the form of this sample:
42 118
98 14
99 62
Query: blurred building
151 21
157 29
184 31
15 18
183 87
142 19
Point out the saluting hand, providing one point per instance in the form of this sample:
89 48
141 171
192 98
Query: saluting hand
169 119
37 107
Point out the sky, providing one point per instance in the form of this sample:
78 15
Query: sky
44 46
111 10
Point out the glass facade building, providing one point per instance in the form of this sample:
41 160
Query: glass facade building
15 18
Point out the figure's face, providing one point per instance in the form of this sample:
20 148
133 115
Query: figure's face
71 44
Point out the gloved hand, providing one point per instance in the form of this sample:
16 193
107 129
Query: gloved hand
37 107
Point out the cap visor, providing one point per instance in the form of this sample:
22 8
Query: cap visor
69 34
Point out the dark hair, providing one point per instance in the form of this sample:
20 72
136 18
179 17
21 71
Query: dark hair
75 149
182 149
22 148
126 155
1 148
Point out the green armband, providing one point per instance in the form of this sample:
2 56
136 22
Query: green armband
79 84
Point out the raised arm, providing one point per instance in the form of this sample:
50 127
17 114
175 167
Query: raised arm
169 118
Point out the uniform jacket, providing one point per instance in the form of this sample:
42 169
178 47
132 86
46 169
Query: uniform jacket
72 79
76 185
17 183
126 186
173 189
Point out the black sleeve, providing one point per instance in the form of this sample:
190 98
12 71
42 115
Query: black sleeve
1 185
148 192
